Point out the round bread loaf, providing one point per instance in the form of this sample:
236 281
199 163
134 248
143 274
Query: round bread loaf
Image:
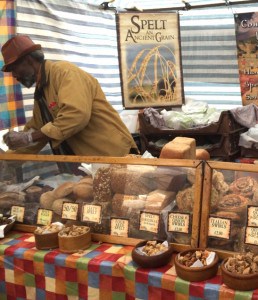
64 189
86 180
58 205
83 190
202 154
46 200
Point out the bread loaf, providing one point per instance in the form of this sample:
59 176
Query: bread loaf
187 141
58 205
133 180
46 200
64 189
102 186
83 191
202 154
158 199
122 204
176 151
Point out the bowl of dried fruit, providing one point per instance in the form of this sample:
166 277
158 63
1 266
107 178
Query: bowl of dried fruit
196 264
152 254
74 238
240 272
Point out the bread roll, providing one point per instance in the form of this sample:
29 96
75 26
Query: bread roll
64 189
244 186
202 154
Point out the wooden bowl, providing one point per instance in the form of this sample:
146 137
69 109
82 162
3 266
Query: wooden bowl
196 274
73 244
154 261
238 281
9 225
46 241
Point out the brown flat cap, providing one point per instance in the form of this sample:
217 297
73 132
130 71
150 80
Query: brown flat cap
15 48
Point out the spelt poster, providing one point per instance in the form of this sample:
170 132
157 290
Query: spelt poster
246 26
150 59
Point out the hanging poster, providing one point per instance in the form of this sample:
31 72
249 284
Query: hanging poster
246 25
150 59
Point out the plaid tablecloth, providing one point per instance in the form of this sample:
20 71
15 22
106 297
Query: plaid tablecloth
104 271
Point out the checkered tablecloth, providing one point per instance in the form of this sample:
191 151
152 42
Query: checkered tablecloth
104 271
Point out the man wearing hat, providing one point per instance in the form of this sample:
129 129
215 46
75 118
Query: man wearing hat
70 109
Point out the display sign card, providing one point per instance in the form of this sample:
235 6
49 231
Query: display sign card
219 227
70 210
18 212
251 235
91 213
149 221
252 216
44 216
150 59
119 227
178 222
246 38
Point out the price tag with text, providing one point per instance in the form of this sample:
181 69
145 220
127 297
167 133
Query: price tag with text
119 227
149 222
219 227
178 222
251 235
44 216
70 210
252 216
18 212
91 213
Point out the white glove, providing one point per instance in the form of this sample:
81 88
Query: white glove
15 140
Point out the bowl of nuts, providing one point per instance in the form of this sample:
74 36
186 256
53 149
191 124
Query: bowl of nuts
152 254
74 238
196 264
241 271
46 237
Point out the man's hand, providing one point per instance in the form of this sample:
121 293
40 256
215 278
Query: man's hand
15 140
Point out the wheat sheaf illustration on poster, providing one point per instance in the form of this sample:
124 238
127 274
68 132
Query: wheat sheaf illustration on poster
150 59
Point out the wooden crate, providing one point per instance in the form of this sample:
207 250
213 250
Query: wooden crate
225 225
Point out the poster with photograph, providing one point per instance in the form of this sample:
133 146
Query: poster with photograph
150 59
246 25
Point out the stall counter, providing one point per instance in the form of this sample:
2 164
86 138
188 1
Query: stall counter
103 271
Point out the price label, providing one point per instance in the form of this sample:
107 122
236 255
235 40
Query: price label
18 212
178 222
149 222
44 216
219 228
251 235
91 213
70 211
252 213
119 227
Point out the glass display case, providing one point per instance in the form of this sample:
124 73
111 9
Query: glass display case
229 218
120 199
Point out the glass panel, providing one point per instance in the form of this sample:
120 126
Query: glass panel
144 195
